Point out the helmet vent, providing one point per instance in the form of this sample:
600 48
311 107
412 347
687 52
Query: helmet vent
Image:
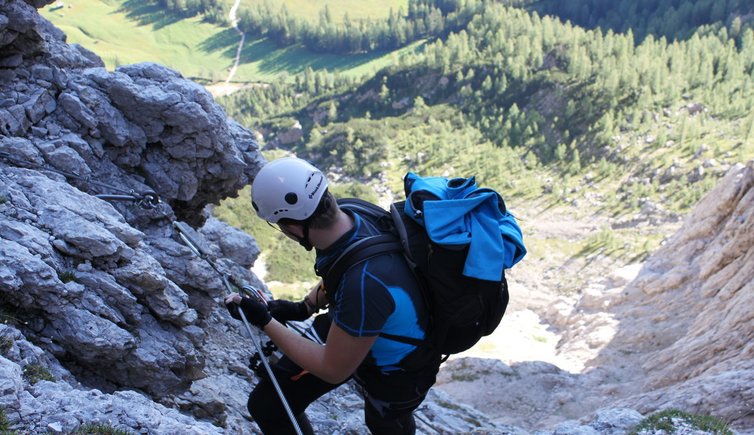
291 198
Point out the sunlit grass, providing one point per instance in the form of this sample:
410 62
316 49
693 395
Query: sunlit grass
132 31
121 35
356 9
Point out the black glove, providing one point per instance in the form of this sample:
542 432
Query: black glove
284 311
256 312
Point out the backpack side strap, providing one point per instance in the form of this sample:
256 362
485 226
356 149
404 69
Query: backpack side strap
407 340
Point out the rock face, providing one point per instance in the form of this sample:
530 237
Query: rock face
688 314
103 294
62 111
680 334
105 315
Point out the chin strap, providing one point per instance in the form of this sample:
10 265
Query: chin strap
304 241
321 207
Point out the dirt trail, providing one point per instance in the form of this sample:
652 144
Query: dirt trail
234 21
226 87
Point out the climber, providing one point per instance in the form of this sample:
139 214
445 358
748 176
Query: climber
377 296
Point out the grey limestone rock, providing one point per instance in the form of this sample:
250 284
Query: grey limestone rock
104 292
128 324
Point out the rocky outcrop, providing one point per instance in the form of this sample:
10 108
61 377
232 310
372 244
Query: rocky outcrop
680 334
105 315
35 405
105 293
688 314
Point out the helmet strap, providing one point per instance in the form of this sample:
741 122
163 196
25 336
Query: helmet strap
304 241
323 205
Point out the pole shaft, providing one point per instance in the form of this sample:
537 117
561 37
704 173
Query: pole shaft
267 367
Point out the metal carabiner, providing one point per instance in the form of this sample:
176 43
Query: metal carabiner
149 200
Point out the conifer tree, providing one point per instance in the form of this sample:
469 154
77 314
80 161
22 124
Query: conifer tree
332 112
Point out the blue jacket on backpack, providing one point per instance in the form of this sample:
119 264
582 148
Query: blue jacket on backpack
465 214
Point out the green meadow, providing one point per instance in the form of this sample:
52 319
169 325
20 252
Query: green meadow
125 32
261 60
357 9
130 31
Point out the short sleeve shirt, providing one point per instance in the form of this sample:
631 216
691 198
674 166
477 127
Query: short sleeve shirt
377 295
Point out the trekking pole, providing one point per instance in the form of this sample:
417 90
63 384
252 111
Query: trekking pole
258 346
253 292
421 418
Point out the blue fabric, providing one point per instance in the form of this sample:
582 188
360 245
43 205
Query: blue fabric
377 295
403 322
367 305
464 214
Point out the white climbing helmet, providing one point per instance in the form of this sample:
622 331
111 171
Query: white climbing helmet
287 188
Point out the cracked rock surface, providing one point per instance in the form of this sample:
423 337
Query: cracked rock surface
123 321
106 316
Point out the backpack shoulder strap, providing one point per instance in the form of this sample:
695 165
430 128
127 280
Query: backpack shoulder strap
363 249
358 252
369 211
392 241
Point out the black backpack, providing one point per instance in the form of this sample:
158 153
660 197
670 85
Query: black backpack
462 309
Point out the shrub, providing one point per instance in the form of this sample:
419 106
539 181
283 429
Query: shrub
669 419
605 242
99 429
4 423
6 343
36 372
66 276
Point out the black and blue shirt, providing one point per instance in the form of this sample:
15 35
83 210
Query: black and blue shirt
378 295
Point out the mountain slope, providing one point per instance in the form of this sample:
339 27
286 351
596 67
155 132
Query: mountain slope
628 135
107 318
672 333
680 334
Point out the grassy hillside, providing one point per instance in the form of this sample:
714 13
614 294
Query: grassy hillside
263 61
124 32
546 112
130 31
356 10
654 122
628 130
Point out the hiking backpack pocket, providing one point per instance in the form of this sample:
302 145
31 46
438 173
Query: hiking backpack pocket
464 309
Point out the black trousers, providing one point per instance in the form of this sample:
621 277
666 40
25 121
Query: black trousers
390 398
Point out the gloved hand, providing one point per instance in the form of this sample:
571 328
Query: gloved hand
256 312
284 311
